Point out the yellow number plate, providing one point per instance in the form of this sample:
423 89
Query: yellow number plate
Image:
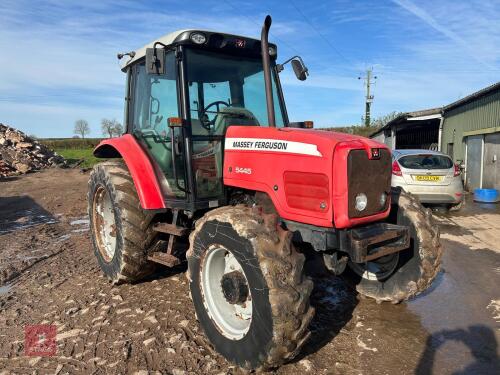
428 178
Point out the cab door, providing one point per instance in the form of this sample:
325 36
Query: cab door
154 101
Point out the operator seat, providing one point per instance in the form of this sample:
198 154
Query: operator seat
234 116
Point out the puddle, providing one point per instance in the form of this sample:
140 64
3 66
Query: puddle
83 222
80 230
64 237
457 313
26 219
80 222
5 289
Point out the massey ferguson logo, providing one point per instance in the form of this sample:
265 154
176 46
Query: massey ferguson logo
243 170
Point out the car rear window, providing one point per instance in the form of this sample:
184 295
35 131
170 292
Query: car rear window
425 162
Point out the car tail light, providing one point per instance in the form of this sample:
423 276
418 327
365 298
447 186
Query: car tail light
457 171
396 171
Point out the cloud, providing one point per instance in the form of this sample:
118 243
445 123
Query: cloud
454 36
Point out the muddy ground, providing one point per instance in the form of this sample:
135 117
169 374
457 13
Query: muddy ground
48 275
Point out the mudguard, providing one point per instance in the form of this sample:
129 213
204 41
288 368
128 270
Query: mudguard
140 167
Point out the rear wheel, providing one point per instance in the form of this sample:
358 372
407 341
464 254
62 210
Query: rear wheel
248 287
121 230
400 276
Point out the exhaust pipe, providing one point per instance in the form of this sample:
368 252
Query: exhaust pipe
266 64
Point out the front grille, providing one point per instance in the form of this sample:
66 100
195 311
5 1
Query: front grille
371 177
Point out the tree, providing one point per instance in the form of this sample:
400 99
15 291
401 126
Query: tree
81 128
118 130
382 120
111 127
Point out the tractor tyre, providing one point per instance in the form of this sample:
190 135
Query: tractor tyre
121 230
248 287
403 275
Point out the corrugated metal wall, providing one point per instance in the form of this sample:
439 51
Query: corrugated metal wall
479 114
491 172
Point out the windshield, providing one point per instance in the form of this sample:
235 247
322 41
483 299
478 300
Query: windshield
426 162
227 90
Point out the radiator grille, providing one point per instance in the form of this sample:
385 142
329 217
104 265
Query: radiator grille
371 177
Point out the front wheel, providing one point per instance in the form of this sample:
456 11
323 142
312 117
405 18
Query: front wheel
400 276
248 288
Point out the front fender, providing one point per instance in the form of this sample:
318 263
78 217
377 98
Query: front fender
140 167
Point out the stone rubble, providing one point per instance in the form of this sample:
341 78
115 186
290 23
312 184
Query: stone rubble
20 154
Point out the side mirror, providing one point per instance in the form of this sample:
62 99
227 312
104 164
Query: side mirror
155 60
299 69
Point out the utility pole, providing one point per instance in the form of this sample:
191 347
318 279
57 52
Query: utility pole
369 97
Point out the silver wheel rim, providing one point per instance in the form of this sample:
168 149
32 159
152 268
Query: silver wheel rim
376 270
232 320
104 223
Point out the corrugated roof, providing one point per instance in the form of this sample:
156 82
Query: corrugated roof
408 115
473 96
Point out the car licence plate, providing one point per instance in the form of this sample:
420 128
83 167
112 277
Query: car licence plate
428 178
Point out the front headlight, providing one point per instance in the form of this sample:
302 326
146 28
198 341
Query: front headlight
361 202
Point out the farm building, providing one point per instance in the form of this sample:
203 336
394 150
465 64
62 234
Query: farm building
419 129
471 134
468 130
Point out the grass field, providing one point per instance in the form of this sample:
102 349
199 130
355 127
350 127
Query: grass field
74 150
74 155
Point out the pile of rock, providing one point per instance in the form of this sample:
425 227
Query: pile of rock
21 154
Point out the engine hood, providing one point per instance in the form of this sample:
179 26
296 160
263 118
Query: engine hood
303 171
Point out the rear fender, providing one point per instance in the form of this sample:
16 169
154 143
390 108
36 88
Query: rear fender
140 166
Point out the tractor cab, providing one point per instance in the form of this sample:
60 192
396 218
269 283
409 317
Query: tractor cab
184 91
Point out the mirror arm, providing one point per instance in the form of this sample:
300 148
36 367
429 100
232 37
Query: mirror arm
281 66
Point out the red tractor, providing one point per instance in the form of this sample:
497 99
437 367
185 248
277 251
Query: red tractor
211 170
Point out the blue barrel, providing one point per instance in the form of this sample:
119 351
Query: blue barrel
486 195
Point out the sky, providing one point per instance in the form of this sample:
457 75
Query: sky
58 62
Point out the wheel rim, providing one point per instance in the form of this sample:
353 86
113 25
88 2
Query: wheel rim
232 316
379 269
104 223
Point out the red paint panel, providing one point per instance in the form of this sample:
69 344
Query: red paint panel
269 168
141 170
307 191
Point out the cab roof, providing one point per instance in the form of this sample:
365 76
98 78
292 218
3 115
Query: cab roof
213 40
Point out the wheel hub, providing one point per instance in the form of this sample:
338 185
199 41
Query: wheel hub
104 225
235 288
226 293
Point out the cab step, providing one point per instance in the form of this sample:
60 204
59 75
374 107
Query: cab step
164 258
172 229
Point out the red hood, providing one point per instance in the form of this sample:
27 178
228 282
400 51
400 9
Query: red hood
314 160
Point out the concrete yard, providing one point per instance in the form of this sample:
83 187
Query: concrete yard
48 275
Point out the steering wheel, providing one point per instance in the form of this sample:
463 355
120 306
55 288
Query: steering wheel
205 122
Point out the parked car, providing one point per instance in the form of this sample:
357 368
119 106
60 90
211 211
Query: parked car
430 175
